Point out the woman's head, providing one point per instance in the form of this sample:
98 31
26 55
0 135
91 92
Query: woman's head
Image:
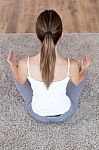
49 31
49 20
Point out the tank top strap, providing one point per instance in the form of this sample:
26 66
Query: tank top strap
28 66
68 67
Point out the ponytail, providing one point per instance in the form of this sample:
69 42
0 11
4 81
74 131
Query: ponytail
48 30
47 59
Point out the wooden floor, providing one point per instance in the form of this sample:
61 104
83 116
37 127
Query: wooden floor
18 16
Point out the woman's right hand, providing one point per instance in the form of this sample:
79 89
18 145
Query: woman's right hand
11 59
85 62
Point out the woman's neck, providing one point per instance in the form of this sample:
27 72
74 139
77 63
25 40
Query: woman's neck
57 53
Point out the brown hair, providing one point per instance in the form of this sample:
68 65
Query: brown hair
48 30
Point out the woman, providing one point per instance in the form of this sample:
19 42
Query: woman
49 84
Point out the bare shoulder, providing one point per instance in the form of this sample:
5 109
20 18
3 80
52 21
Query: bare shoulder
23 61
74 62
34 57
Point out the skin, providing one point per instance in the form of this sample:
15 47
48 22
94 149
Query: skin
20 72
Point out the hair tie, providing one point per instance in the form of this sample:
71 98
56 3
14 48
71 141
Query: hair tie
49 32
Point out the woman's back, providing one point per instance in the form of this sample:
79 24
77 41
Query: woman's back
61 67
45 101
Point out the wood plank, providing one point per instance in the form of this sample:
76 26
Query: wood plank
18 16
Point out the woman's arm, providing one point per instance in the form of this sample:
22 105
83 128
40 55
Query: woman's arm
82 75
76 76
19 73
14 71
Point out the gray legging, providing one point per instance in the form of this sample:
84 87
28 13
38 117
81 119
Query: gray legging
73 92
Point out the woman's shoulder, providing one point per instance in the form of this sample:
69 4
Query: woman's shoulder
74 62
32 59
24 60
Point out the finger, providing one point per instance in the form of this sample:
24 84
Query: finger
11 52
84 58
88 56
9 55
8 59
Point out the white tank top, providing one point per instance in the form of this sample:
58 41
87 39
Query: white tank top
51 101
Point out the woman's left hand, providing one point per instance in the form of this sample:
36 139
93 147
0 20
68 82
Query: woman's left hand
11 59
85 62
